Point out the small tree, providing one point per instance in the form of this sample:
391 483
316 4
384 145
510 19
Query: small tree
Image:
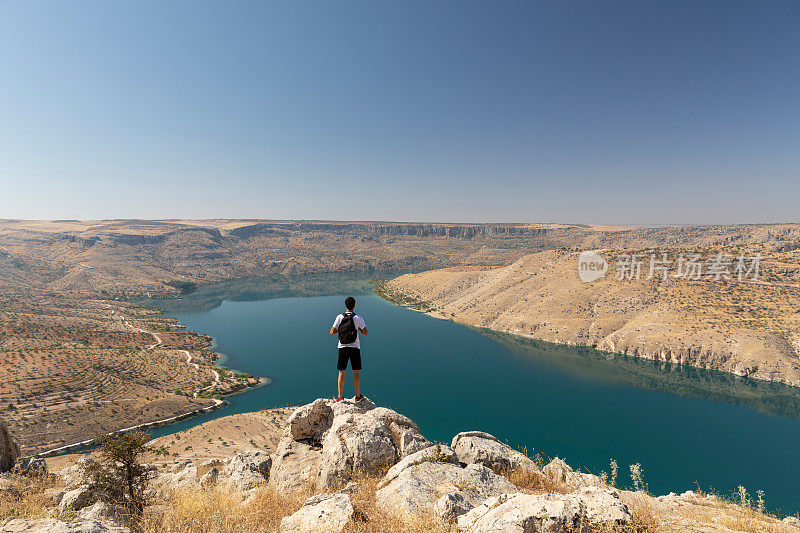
119 477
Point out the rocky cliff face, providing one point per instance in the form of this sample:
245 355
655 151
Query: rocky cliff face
9 451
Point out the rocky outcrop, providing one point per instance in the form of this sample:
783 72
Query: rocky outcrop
326 443
560 473
77 474
51 525
323 513
77 499
431 479
246 470
185 477
554 513
106 513
477 447
9 451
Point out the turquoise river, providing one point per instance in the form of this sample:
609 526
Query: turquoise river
687 427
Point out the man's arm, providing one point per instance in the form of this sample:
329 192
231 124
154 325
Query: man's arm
363 331
334 331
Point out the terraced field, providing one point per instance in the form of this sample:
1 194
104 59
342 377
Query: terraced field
74 367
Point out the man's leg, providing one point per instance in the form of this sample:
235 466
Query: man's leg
341 382
356 381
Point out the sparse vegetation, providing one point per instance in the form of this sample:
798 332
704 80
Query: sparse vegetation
120 477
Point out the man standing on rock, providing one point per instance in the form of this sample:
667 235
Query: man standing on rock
348 325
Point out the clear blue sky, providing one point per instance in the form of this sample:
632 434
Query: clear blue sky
559 111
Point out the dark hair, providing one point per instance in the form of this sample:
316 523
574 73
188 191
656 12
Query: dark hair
350 303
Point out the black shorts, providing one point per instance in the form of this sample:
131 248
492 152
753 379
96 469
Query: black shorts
351 354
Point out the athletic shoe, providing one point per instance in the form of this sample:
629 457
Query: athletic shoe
359 397
339 399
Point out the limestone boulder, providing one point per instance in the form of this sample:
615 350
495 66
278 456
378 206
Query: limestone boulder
248 469
310 421
434 454
51 525
406 435
181 465
477 447
77 474
351 407
442 487
323 513
9 451
76 499
604 506
188 477
525 513
295 465
589 509
326 443
354 444
106 513
560 473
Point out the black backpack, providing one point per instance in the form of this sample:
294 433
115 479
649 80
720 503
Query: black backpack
347 329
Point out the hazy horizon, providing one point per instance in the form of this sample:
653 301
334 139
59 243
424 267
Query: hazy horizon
612 113
377 221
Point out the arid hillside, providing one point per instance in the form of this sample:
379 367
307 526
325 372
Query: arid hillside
76 358
750 328
119 257
73 367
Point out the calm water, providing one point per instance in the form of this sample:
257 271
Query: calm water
686 427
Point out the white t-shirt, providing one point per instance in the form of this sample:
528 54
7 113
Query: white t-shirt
359 323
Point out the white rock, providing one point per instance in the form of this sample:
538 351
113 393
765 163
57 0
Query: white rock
77 499
107 514
184 478
483 448
324 513
295 466
561 473
327 442
418 488
585 510
355 444
77 474
248 469
603 505
310 421
435 454
51 525
405 433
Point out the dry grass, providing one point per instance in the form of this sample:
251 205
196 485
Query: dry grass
219 510
25 497
735 516
370 518
645 516
201 510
